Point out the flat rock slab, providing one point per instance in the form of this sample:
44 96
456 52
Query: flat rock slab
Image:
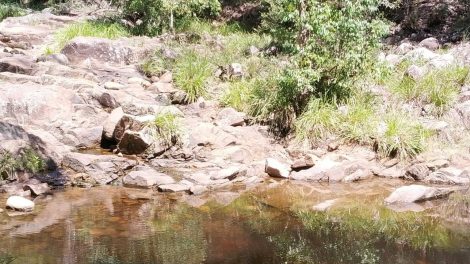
175 187
416 193
146 178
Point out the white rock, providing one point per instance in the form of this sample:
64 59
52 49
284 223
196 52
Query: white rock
113 86
140 81
323 206
416 193
19 203
276 168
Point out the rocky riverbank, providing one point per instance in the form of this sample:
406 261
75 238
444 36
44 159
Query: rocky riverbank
87 109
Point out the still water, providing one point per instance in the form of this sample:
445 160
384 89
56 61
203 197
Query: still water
274 223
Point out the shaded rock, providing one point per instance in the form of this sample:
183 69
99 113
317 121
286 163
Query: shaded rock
302 163
417 171
106 100
111 122
133 142
276 168
146 178
17 64
19 203
323 206
452 176
37 189
230 117
82 48
175 187
416 193
430 43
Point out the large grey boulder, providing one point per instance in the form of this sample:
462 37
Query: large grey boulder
82 48
19 203
416 193
135 142
430 43
449 175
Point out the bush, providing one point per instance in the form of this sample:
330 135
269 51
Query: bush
153 17
333 45
10 10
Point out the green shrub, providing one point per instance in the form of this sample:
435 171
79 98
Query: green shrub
157 16
10 10
166 128
191 74
99 29
31 161
333 45
8 165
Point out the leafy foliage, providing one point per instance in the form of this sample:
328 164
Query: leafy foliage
10 9
29 160
156 16
332 43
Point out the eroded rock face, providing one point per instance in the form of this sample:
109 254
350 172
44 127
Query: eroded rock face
452 176
17 64
416 193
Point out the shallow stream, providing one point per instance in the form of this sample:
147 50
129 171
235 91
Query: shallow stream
273 223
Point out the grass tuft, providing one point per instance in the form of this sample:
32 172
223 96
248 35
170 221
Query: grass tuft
166 128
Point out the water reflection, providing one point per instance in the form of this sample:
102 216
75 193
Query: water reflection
269 225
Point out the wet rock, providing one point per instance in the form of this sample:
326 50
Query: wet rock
230 117
113 86
175 187
19 203
82 48
146 178
416 193
449 175
277 169
106 100
323 206
417 171
430 43
135 142
17 64
37 189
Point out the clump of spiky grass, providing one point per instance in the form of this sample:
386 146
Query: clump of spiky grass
166 128
400 136
438 87
192 73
